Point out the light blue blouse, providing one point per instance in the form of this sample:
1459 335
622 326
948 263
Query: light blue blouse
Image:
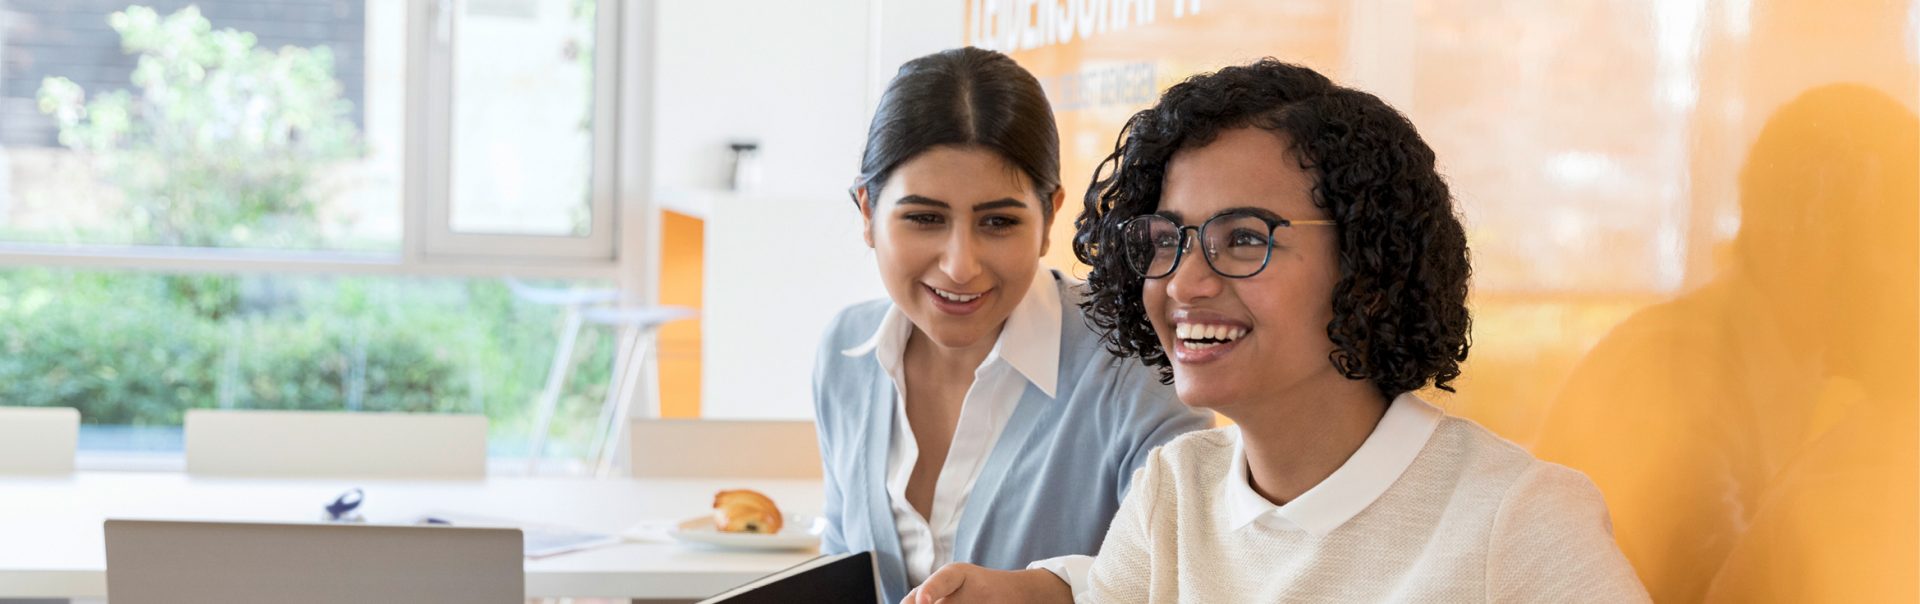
1053 479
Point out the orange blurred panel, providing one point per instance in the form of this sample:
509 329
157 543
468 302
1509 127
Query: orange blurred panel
682 270
1694 235
1755 437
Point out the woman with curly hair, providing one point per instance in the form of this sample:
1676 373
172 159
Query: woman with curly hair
1283 249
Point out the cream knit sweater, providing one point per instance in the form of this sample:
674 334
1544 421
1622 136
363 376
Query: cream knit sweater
1473 518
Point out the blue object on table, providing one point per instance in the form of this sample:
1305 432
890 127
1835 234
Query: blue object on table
342 508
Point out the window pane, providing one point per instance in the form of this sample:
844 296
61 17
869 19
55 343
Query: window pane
522 117
215 123
134 351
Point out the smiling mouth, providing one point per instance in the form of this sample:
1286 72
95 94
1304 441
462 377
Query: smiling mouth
955 297
956 303
1203 336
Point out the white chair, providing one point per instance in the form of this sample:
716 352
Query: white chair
667 448
633 371
574 301
336 444
38 440
635 345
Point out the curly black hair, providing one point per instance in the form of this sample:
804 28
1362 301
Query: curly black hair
1399 309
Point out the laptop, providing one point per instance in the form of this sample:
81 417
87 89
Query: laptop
167 562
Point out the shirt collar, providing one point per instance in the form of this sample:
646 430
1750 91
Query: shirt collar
1386 454
1029 341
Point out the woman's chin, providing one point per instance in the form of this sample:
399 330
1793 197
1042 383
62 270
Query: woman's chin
1207 380
1201 395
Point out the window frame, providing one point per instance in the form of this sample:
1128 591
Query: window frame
429 247
434 37
622 246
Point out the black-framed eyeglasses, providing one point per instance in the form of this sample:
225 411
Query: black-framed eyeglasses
1237 245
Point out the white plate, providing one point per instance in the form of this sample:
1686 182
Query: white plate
796 532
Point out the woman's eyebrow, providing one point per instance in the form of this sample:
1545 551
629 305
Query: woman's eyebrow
1007 202
1254 210
922 200
1257 211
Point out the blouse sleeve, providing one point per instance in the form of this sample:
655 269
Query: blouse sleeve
832 540
1155 417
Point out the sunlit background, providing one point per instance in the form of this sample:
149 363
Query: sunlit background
1693 223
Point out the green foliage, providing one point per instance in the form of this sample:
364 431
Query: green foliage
218 142
73 342
123 350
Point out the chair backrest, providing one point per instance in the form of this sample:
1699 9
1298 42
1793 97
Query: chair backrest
38 440
668 448
306 444
162 562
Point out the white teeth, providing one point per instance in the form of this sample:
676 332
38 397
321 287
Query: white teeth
1196 331
962 298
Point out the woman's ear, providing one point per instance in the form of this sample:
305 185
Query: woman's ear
861 199
1046 234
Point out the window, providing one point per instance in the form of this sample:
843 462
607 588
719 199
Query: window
428 133
528 171
133 350
148 128
304 204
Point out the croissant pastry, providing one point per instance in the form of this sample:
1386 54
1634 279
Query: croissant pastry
745 511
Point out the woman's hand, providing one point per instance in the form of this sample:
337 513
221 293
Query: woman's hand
962 583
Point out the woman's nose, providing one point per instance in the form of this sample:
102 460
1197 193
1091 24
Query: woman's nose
961 262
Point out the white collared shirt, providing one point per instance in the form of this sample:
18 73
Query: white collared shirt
1026 351
1429 509
1385 455
1372 469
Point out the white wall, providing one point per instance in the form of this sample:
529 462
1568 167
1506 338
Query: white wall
789 75
777 271
801 78
904 29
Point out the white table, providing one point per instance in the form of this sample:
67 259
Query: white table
51 544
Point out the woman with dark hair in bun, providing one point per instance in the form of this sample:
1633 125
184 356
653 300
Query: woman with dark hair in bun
1283 249
972 416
